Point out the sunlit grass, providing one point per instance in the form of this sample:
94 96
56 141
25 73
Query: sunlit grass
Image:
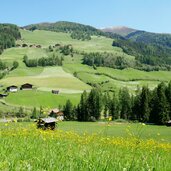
26 148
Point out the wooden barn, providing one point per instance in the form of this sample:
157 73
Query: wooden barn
55 91
12 88
46 123
168 123
26 86
56 113
3 95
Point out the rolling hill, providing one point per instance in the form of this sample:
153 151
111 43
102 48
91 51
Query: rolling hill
73 76
122 30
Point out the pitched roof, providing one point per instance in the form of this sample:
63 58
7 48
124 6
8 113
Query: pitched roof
55 110
49 120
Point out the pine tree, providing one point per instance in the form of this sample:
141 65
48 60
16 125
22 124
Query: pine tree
34 114
144 111
160 108
168 95
94 104
68 110
82 109
125 103
114 107
106 103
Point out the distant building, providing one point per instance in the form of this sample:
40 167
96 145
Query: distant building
46 123
56 113
12 88
26 86
3 95
168 123
55 91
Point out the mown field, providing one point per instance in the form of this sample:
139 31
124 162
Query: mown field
85 146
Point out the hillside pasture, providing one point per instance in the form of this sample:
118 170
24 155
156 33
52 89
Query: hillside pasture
33 98
50 77
46 38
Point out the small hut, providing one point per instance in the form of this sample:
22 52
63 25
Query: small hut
55 91
168 123
3 95
46 123
12 88
26 86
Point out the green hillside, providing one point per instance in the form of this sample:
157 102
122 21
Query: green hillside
72 77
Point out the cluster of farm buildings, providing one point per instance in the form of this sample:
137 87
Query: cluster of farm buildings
26 86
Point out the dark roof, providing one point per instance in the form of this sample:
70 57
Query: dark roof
27 84
12 86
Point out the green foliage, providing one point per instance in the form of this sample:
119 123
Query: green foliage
149 54
15 65
151 38
78 31
146 106
9 33
44 61
125 103
80 36
68 110
107 59
21 113
66 50
34 114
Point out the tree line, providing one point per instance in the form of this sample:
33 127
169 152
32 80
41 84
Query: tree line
107 60
9 33
116 61
44 61
149 54
151 106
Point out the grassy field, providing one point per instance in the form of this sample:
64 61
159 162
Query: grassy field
61 78
46 38
85 146
113 78
41 98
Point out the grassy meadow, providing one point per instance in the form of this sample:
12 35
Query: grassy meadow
85 146
61 78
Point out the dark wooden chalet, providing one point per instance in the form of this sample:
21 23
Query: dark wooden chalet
168 123
26 86
55 91
3 95
46 123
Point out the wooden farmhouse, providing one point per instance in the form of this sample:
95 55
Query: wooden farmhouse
3 95
26 86
56 113
46 123
55 91
168 123
12 88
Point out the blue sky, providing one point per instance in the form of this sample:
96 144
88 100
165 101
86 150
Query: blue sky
149 15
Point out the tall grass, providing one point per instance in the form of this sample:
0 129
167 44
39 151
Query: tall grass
26 148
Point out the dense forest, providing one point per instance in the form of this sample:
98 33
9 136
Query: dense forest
151 38
151 106
9 33
154 55
120 62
